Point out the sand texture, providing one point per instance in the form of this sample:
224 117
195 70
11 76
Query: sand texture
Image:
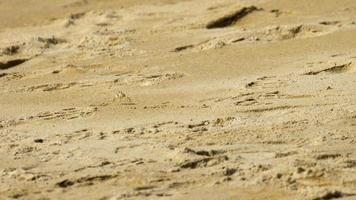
178 99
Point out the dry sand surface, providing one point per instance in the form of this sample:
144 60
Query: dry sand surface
178 99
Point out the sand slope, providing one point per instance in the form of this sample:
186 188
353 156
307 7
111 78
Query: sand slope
169 99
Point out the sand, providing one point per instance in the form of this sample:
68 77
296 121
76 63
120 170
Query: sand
173 99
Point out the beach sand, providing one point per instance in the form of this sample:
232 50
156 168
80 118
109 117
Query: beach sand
178 99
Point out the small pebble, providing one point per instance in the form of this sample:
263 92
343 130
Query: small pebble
38 140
